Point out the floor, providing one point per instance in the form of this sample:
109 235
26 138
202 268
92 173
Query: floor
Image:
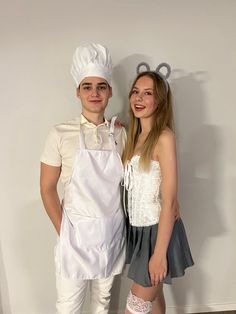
224 312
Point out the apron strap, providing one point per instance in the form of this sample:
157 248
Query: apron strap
127 185
111 133
112 124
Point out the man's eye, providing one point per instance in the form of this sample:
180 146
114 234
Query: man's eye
86 87
103 87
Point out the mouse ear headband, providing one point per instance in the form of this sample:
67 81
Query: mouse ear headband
157 71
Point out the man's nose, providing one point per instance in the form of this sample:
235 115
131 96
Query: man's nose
94 92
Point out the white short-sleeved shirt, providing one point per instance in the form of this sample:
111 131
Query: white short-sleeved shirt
63 142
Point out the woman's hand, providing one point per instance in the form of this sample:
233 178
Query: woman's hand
157 269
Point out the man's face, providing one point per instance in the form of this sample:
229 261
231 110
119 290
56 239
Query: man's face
94 93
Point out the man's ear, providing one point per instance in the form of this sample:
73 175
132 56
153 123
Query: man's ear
78 92
110 92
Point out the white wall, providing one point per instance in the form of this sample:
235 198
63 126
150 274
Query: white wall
197 38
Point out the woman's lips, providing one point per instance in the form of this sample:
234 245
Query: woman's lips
139 107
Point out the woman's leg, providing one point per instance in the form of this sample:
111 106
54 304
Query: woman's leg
159 304
140 299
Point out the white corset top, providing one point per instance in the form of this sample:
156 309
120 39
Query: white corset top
143 188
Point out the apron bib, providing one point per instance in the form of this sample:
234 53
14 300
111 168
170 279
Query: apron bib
92 236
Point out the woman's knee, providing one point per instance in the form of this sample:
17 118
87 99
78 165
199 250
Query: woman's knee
136 305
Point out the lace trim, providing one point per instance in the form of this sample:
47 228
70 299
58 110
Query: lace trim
137 305
143 193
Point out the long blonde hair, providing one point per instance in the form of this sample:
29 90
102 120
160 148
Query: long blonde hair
162 119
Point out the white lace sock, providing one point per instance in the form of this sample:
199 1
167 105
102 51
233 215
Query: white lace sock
137 305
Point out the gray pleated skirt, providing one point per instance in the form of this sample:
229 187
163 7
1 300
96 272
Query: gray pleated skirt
140 247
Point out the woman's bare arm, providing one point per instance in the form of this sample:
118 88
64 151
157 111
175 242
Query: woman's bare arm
166 154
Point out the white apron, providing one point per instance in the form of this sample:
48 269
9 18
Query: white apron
92 236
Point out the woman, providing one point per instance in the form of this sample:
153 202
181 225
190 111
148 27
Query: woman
157 247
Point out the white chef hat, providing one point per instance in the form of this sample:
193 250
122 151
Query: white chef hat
91 60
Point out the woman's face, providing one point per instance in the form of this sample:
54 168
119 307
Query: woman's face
142 100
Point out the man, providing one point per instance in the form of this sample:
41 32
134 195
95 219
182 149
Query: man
85 154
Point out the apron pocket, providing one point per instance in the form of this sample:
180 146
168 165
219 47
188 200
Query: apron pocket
88 232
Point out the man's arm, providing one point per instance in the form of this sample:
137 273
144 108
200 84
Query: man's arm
49 177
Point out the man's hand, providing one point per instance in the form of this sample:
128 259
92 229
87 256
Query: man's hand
118 124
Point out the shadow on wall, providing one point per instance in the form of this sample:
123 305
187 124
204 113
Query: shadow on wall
124 73
199 148
4 292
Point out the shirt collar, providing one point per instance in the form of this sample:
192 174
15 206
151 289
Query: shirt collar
84 121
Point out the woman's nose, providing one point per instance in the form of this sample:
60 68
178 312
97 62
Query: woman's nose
139 96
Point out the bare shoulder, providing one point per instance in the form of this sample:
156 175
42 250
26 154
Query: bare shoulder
165 144
167 137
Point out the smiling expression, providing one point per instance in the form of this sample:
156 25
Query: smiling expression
94 93
142 100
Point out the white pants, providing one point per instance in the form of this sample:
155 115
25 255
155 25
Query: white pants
71 295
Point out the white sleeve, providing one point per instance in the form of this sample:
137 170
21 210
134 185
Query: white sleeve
51 153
